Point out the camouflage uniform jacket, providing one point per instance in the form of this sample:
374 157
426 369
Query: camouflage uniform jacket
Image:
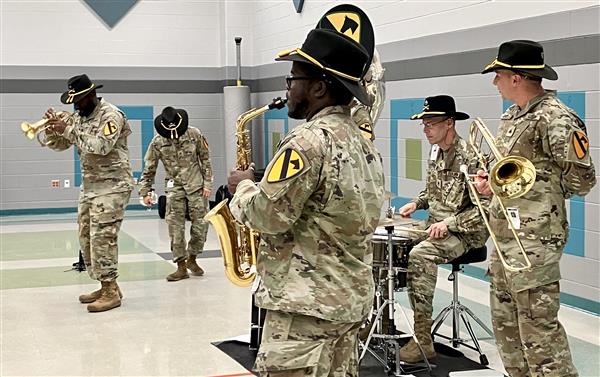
186 161
553 138
316 222
447 195
101 141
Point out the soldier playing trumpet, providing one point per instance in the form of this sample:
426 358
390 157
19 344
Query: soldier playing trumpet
99 131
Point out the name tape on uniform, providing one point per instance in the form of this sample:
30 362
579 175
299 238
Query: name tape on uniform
288 164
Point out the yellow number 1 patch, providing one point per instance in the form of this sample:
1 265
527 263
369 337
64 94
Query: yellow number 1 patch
110 128
366 130
581 144
288 164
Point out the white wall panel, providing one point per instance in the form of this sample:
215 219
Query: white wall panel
152 33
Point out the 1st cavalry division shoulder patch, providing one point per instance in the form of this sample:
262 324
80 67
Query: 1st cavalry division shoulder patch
288 164
581 144
366 129
109 128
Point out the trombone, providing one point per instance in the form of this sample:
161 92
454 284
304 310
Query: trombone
34 130
510 178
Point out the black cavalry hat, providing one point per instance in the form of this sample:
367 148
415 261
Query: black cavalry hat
440 106
171 123
522 56
339 56
79 86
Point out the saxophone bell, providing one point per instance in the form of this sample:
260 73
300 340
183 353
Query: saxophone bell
239 243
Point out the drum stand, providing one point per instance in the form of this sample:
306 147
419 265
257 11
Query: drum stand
390 340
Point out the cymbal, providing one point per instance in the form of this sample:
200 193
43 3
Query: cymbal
398 220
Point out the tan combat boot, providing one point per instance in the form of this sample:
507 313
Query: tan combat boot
181 272
91 297
109 299
411 353
193 266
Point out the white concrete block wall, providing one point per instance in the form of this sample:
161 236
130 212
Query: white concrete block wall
152 33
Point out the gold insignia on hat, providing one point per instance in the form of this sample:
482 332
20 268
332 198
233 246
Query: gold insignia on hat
581 144
347 23
110 128
287 165
72 93
172 127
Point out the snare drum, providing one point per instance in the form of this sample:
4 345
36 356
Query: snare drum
400 248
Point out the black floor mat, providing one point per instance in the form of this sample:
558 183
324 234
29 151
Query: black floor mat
447 360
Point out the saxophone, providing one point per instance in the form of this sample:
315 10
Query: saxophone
238 242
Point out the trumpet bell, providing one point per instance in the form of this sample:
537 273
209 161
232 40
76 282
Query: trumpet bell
29 130
512 177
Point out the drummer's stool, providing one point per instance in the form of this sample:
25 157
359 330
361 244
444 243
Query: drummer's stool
458 310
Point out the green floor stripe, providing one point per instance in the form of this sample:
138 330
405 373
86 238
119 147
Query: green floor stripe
55 276
55 244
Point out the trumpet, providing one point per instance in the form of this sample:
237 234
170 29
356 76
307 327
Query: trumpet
510 178
34 130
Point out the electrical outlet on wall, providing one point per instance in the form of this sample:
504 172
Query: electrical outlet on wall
67 183
55 183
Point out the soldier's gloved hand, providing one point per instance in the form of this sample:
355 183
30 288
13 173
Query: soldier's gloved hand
236 176
482 184
438 230
407 209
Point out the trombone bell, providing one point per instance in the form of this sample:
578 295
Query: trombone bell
510 178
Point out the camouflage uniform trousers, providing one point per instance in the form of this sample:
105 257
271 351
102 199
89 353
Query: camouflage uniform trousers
295 345
175 215
99 221
423 263
530 339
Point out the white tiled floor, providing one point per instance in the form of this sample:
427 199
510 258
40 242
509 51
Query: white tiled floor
166 329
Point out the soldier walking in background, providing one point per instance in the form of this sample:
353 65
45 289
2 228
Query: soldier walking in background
185 155
539 127
99 131
454 222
